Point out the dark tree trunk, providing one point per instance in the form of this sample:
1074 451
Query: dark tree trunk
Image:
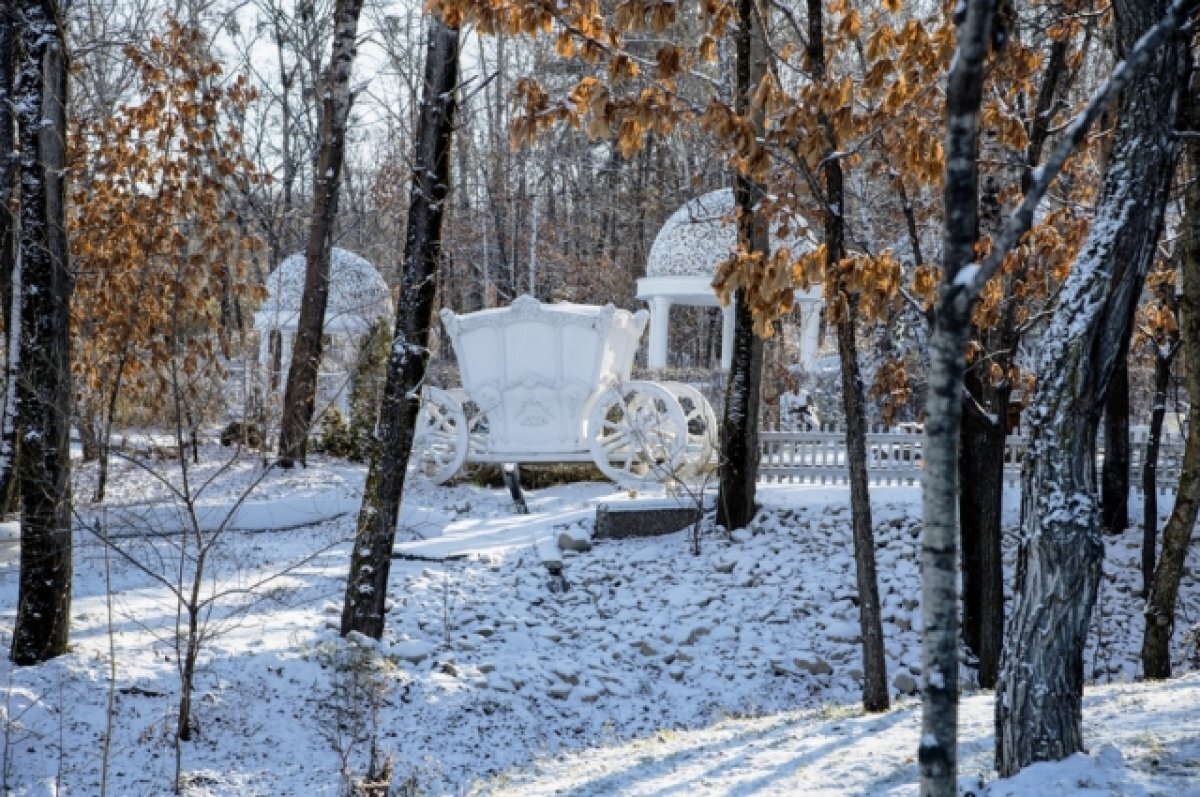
938 750
366 589
1114 479
1039 698
854 401
1177 534
739 432
300 395
1162 381
8 159
8 249
870 615
985 408
981 481
43 281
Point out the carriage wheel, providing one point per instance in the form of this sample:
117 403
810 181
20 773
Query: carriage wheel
440 439
701 425
637 434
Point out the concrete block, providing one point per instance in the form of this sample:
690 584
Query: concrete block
617 520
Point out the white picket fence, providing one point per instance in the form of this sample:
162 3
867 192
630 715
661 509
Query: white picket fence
895 458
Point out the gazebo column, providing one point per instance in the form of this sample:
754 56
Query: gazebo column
810 333
727 327
660 314
264 349
286 338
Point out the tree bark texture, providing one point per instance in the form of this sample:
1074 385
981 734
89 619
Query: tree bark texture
8 158
1114 476
300 395
1162 381
44 385
870 614
739 431
981 453
985 405
366 589
8 248
938 750
981 480
854 400
1177 534
1039 698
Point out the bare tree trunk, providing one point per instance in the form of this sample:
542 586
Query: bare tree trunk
299 400
1114 479
1163 358
1039 699
870 615
981 481
8 248
44 388
1177 535
366 589
985 407
938 750
739 432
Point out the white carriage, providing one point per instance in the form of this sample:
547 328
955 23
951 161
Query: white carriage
551 383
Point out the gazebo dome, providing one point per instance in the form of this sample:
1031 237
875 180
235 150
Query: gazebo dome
357 294
683 262
700 235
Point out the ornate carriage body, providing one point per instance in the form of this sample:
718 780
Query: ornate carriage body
551 383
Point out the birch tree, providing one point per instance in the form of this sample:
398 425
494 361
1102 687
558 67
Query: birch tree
370 563
1039 699
962 283
938 751
42 284
300 396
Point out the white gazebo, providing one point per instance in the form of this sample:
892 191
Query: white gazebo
358 297
683 261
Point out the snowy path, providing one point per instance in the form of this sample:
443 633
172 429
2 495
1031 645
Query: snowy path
550 511
1144 741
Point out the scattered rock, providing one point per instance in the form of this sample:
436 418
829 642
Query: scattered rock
566 674
412 650
843 632
575 539
687 635
725 567
905 684
646 647
812 664
559 691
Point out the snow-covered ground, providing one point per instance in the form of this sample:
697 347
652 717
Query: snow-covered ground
734 671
